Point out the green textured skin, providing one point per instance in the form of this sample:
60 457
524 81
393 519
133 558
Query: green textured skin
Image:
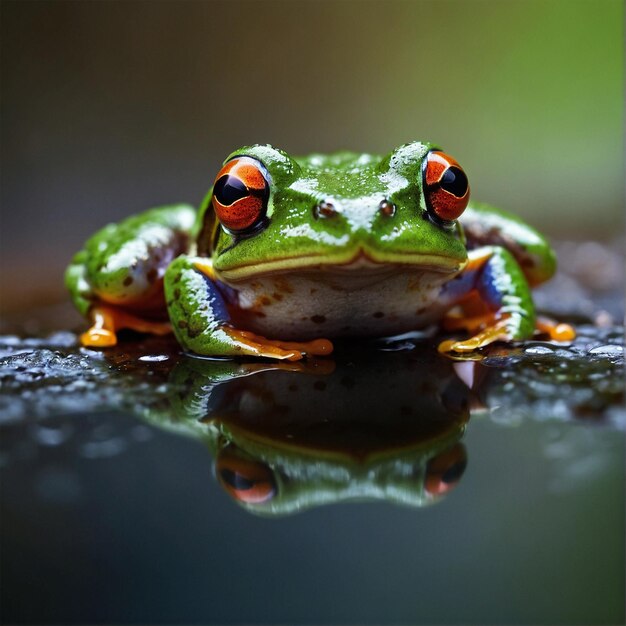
193 317
355 184
511 284
129 249
488 225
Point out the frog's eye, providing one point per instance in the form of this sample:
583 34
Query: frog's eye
240 194
446 188
444 471
245 479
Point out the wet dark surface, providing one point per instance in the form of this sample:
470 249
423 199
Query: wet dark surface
388 484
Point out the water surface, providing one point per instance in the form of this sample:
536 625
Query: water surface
386 485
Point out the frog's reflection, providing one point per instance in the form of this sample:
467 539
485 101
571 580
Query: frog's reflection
377 426
268 487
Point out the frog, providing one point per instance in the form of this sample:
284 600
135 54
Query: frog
287 254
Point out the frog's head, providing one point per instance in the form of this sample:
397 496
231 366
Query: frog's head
273 481
270 212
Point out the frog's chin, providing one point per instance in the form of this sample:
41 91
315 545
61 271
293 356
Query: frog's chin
360 263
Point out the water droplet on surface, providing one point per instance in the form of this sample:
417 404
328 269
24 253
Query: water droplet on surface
153 358
539 350
608 350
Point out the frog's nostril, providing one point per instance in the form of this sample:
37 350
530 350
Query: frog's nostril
324 209
387 208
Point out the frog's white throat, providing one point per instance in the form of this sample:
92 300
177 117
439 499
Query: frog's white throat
354 299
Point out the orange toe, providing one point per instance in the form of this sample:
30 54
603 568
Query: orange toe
555 330
98 338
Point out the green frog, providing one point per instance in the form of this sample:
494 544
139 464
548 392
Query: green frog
288 253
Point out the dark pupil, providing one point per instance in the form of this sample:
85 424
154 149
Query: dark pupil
454 181
229 189
454 473
236 481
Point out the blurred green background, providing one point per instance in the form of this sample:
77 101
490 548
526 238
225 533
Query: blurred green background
109 108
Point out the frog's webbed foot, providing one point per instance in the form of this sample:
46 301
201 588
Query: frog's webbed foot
97 337
473 317
107 320
556 331
498 331
258 345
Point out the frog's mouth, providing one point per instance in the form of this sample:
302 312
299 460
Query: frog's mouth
362 263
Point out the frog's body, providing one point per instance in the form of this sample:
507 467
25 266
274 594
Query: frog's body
323 246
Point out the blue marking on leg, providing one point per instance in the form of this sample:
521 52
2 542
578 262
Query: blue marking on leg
489 283
458 287
216 299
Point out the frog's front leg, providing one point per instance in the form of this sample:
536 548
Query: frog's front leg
506 313
198 308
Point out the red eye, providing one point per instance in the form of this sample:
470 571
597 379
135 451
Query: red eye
446 188
444 471
244 479
240 194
